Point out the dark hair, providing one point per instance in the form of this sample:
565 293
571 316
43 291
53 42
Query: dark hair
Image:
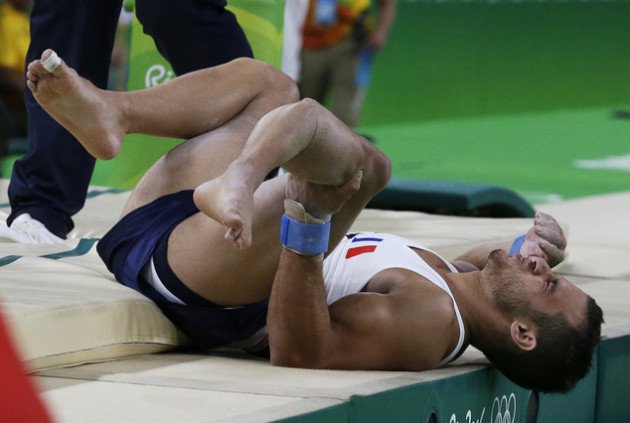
563 354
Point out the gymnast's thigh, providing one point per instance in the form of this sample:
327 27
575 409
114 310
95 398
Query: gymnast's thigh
212 267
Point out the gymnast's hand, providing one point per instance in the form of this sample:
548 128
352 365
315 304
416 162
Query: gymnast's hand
322 201
545 239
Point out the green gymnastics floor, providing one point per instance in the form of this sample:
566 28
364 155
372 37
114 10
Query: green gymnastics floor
545 157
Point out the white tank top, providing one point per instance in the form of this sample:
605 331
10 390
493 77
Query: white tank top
356 260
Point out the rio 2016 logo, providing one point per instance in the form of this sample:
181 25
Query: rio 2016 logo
156 75
503 411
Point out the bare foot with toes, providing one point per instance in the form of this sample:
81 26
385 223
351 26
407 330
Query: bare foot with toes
88 113
229 201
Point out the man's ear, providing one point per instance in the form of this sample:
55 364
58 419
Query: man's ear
523 335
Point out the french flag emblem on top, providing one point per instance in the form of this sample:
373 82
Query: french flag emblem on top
370 247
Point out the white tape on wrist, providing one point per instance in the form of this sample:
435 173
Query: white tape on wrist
51 62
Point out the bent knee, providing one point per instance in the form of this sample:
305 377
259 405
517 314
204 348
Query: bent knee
285 85
308 109
272 81
377 169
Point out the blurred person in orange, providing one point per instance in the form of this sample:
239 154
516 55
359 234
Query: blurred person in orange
339 40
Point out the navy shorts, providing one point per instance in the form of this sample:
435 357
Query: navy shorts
143 234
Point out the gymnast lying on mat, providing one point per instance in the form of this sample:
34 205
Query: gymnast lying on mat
199 236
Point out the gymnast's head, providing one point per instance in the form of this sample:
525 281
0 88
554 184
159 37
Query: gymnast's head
551 326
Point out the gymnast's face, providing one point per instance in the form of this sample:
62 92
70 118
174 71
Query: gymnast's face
520 284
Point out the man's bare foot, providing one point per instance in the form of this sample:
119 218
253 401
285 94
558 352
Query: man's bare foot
229 201
88 113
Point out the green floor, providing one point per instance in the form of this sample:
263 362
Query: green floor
545 157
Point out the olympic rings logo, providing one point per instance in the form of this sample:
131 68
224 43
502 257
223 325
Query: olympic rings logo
504 409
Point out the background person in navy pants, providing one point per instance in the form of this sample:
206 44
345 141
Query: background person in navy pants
49 184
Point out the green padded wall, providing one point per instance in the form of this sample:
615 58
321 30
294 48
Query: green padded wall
452 198
613 387
479 396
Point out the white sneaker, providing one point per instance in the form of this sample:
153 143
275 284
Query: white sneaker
26 230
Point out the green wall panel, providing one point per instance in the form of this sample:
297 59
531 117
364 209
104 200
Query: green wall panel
480 396
470 58
613 387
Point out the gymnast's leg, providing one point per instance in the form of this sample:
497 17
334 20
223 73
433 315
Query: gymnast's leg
318 150
185 107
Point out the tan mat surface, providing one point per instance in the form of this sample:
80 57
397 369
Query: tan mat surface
65 309
64 306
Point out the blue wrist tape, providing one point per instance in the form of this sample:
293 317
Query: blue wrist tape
516 245
304 238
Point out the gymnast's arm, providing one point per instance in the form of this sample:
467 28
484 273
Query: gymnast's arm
367 330
544 239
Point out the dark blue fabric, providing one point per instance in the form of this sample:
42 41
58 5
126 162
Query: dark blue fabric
128 246
50 182
169 279
143 233
200 35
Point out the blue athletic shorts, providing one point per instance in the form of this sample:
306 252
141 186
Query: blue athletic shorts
143 234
